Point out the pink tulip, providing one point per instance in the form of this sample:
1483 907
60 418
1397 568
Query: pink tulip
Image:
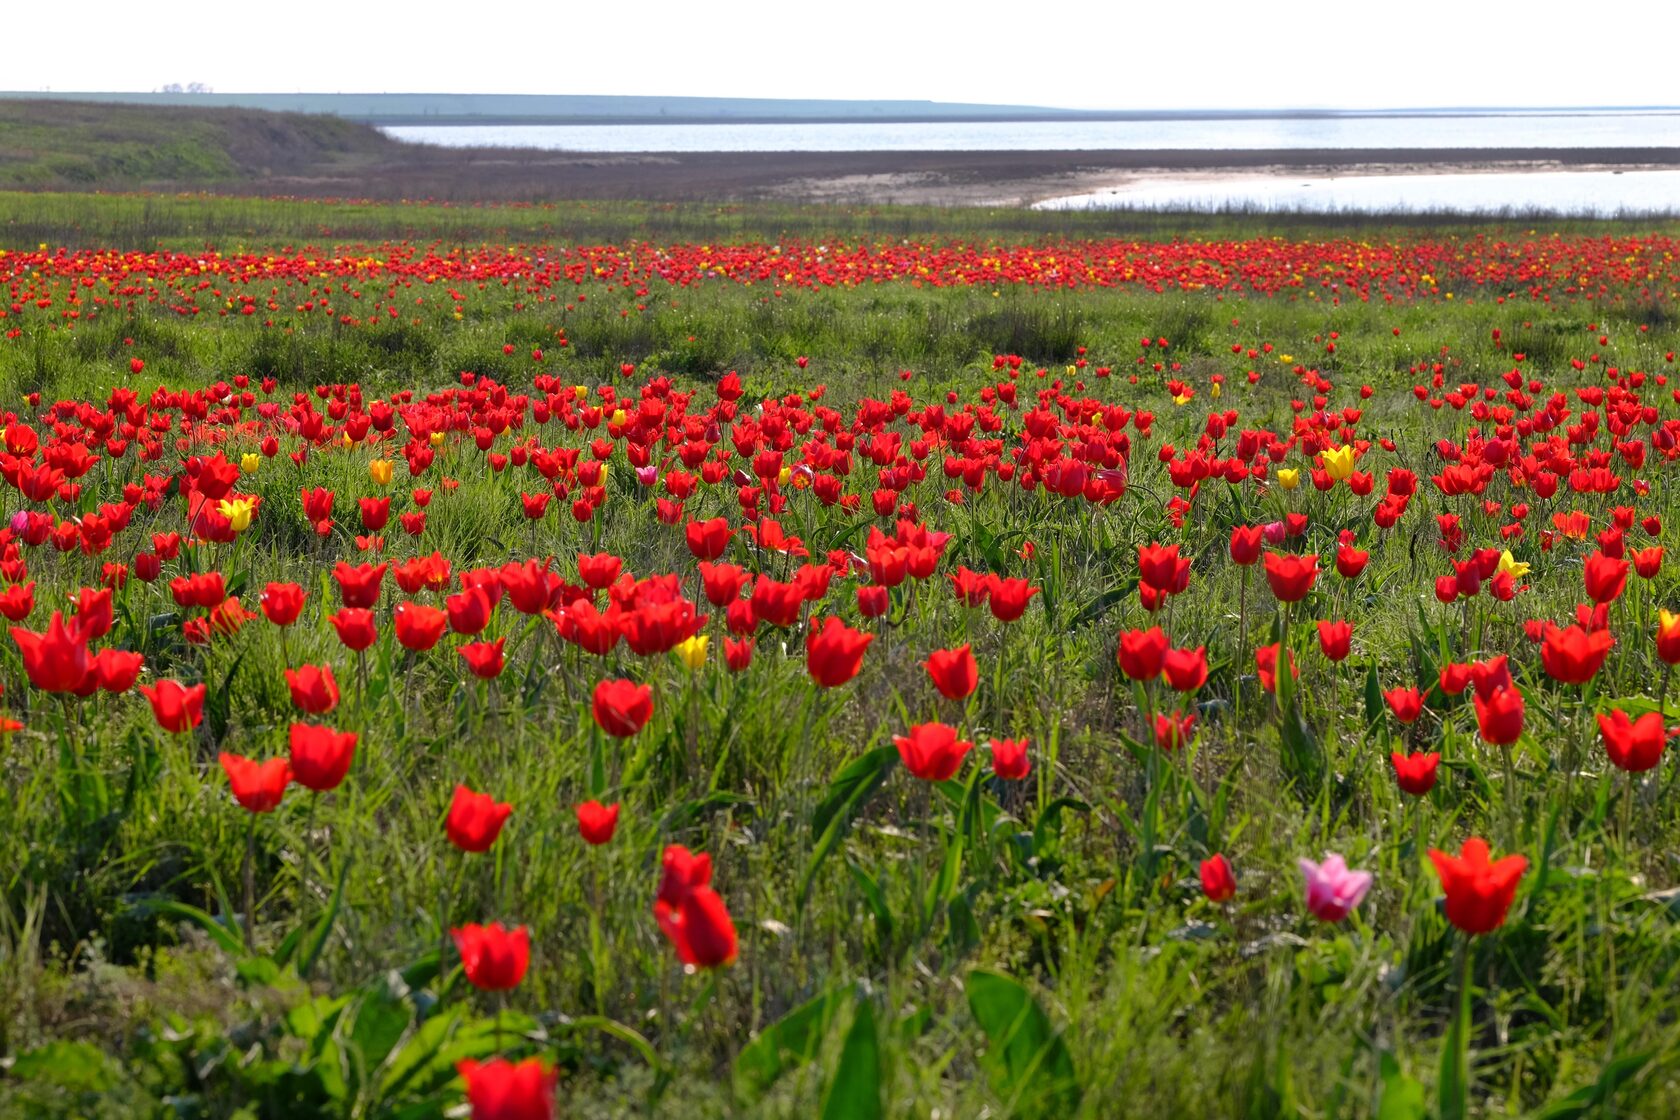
1332 890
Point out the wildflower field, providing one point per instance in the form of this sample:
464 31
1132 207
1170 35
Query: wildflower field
952 676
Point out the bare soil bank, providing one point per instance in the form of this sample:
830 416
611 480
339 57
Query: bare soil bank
1007 178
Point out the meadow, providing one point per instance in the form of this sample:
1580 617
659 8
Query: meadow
748 661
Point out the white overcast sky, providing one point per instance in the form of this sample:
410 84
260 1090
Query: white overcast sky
1118 54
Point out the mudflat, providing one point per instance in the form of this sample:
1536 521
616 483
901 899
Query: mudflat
979 178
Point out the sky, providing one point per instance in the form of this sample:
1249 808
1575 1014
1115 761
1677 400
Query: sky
1112 54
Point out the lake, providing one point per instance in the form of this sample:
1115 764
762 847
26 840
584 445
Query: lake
1530 129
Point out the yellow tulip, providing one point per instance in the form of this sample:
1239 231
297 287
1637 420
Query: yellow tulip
1510 564
380 471
249 462
692 652
437 439
238 512
1217 389
1289 477
783 476
618 418
1338 464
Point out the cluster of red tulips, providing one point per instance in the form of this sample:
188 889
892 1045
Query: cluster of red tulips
360 285
153 499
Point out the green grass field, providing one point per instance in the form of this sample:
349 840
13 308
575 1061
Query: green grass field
1036 948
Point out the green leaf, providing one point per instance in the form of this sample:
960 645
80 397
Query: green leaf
1026 1059
1453 1090
877 900
382 1018
317 940
79 1066
1303 755
1374 706
226 939
789 1042
1402 1096
855 1091
847 793
1589 1098
1047 828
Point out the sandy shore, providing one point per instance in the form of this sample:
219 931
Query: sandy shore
992 178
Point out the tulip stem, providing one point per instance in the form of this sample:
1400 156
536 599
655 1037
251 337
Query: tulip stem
1626 824
305 854
1242 648
248 874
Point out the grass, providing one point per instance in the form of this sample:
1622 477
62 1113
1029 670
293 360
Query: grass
195 221
1077 887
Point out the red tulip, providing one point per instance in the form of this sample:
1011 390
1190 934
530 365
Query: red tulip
475 820
358 586
484 659
504 1090
116 670
737 655
175 707
1218 884
320 756
1633 745
1291 576
1009 598
313 688
621 708
1415 773
699 928
258 786
1186 670
1142 653
57 660
17 601
1246 542
355 628
681 871
834 652
1479 892
1173 730
469 611
873 600
93 612
597 822
419 627
599 570
1265 666
1668 638
317 504
932 751
1499 716
1572 655
707 540
953 671
776 603
1407 704
1160 566
1009 758
493 956
1335 639
1605 577
282 603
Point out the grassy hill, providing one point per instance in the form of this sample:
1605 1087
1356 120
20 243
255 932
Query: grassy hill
85 144
483 108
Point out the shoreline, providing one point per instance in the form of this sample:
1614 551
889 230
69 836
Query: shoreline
995 179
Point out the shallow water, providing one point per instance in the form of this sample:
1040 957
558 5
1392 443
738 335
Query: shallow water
1603 193
1535 129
